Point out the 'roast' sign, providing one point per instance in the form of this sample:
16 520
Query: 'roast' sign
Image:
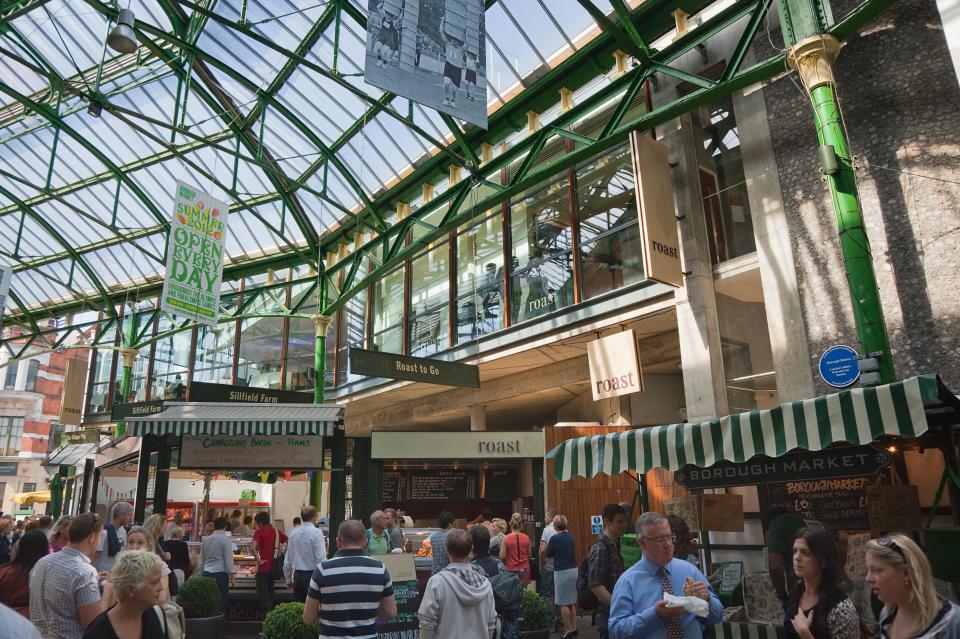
614 366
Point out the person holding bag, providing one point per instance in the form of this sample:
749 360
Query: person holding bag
266 549
515 550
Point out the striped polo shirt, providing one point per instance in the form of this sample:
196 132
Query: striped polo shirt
349 587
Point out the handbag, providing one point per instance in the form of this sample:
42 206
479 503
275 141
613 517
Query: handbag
172 620
523 573
276 569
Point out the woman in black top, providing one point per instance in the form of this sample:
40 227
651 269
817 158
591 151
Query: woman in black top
563 550
137 578
817 607
179 553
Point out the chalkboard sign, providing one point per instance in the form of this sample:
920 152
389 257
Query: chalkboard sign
405 625
444 484
838 504
393 486
500 484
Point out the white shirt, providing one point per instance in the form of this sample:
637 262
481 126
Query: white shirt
13 625
548 532
306 548
216 552
104 560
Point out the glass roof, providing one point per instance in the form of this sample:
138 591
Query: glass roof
237 97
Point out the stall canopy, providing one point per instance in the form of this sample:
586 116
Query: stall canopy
25 499
212 418
906 408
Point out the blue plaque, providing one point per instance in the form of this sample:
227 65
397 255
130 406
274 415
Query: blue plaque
839 366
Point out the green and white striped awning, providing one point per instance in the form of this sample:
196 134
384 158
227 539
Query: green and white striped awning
213 418
858 416
742 630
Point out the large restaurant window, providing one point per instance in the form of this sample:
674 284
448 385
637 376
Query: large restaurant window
541 270
723 183
610 250
213 361
171 366
11 434
388 313
102 363
261 341
429 300
480 278
301 343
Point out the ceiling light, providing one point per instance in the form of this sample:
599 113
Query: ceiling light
122 38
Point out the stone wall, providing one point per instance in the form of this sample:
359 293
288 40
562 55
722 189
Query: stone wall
901 106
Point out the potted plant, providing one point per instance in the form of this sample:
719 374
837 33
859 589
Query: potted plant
533 616
200 599
285 621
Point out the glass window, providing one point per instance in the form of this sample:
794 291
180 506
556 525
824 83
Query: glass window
722 180
102 363
11 433
541 273
353 329
301 346
10 379
480 279
611 254
429 301
144 318
33 367
171 360
388 313
261 341
213 359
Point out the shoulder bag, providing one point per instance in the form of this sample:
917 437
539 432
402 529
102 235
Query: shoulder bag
276 570
171 620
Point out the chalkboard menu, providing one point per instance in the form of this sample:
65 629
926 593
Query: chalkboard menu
444 484
500 484
431 484
405 625
393 486
838 504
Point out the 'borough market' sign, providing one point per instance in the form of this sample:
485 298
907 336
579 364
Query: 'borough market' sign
198 232
414 369
832 463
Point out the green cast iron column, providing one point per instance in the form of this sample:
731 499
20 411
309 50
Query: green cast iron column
321 323
854 244
129 355
812 53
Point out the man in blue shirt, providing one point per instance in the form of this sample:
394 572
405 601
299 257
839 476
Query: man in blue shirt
638 609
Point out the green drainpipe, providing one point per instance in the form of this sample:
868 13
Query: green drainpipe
813 57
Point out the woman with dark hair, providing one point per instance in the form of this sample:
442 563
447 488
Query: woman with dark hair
817 607
15 576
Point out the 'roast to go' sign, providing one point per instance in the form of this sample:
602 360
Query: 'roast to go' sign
198 233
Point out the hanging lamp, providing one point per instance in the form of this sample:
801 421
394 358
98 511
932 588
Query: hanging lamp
122 38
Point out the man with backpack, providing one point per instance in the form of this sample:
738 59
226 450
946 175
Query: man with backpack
506 586
602 568
458 600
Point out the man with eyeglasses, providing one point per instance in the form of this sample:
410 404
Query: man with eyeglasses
638 609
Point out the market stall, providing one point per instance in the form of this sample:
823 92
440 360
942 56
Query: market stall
918 412
237 444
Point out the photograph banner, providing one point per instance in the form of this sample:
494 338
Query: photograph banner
198 233
432 52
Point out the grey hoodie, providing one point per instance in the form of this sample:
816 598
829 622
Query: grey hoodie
458 603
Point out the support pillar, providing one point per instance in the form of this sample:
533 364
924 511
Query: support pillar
129 355
539 493
87 487
321 323
148 445
161 487
812 54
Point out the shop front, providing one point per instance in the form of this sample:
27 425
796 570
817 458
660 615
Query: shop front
835 460
209 459
422 474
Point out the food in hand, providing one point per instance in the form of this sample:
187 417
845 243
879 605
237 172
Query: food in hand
688 586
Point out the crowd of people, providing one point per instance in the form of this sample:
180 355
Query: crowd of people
82 578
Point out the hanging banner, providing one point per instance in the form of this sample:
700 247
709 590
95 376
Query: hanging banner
6 273
198 233
431 51
74 383
656 210
614 365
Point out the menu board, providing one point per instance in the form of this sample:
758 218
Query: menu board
393 486
500 484
838 504
431 484
444 484
403 574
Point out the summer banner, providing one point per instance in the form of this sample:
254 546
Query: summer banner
198 233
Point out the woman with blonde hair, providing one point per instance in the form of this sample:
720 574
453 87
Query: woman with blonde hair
496 537
58 534
137 578
515 550
899 573
139 538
